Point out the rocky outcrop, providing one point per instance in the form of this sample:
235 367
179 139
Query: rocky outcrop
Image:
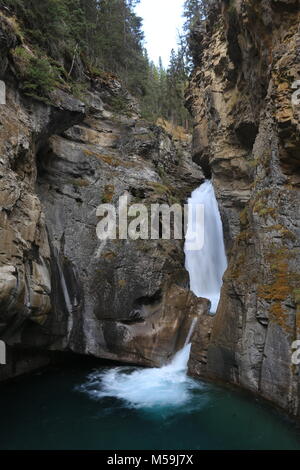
120 299
247 138
60 287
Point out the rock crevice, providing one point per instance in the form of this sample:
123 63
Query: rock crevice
247 132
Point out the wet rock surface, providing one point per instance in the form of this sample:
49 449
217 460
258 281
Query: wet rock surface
247 136
61 288
125 284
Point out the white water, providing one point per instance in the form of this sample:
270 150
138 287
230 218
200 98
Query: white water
192 327
163 387
169 387
207 265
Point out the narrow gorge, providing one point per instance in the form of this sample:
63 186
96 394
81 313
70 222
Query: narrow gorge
155 326
247 137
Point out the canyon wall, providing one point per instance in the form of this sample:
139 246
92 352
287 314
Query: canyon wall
61 288
246 137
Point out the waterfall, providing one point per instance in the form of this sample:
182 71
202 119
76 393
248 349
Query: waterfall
167 387
191 331
207 264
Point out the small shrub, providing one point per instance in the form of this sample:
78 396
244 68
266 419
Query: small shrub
40 78
119 104
79 89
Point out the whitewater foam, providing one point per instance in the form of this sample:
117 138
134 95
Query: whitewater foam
168 386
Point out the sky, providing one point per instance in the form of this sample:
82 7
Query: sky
162 20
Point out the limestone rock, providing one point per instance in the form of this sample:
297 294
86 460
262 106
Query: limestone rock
247 137
60 288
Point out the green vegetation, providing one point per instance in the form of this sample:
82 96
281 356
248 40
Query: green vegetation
165 88
40 78
283 286
108 194
92 34
164 97
195 13
68 42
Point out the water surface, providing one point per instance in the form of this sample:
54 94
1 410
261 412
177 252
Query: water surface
128 408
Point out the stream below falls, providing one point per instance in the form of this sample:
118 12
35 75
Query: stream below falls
84 406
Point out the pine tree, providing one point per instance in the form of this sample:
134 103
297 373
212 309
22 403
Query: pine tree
194 11
104 36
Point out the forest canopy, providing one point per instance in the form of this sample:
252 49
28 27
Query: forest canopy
104 36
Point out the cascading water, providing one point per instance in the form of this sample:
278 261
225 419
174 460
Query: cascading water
166 388
169 387
127 408
207 264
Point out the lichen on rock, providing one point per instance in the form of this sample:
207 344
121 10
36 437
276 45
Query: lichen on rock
247 134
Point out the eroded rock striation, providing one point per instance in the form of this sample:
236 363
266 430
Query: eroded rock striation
247 138
61 288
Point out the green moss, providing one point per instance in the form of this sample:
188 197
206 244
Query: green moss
108 194
160 188
254 163
266 158
96 71
80 183
174 200
285 233
244 217
258 206
296 295
120 105
261 207
244 236
237 267
232 9
78 89
161 172
23 54
281 288
267 211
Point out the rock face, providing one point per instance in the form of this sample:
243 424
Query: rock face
246 111
60 287
110 294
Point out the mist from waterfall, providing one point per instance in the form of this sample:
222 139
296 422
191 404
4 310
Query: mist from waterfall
163 389
168 389
206 266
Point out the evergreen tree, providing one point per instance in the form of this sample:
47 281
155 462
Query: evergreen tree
104 36
194 11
